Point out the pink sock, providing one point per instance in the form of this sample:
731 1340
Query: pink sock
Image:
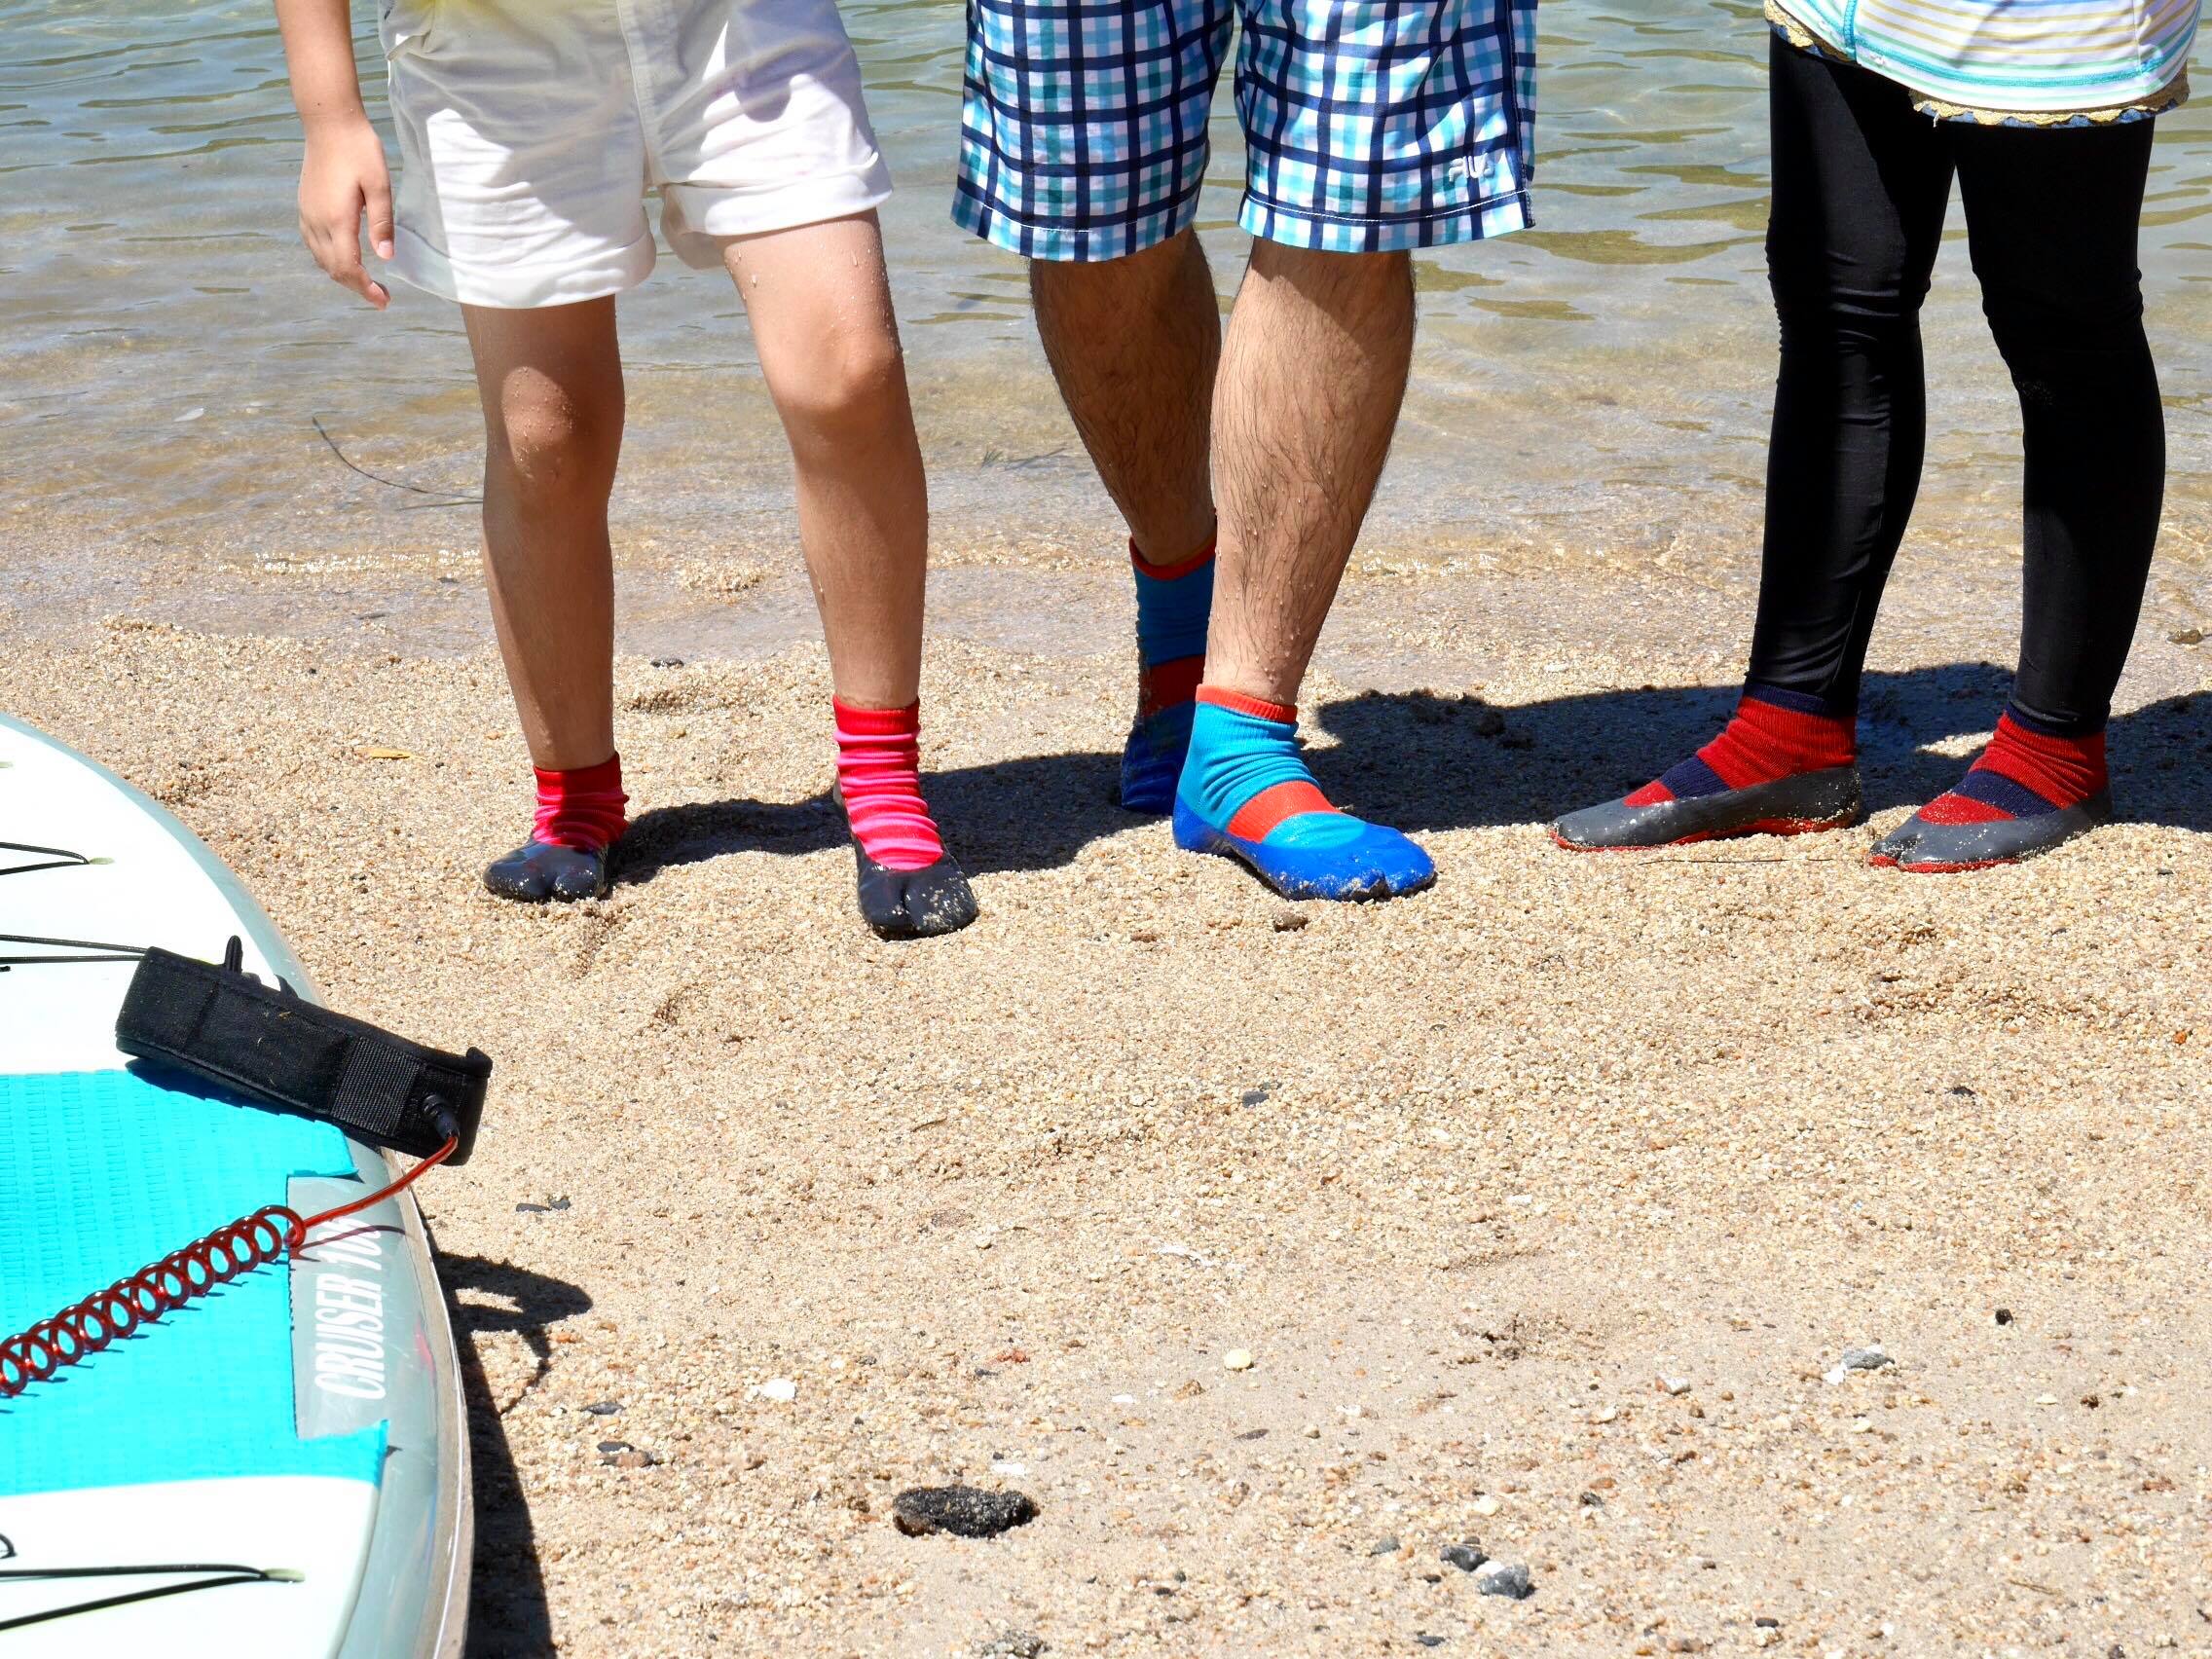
879 777
582 807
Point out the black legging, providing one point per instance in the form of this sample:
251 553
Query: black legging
1860 185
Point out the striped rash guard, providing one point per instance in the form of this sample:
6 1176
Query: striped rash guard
2036 62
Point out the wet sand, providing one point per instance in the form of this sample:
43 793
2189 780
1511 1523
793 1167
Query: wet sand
1541 1201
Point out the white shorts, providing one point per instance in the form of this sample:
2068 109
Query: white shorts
530 132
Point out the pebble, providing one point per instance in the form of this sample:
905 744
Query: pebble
668 662
1428 1641
1014 1644
1590 1501
634 1458
1466 1554
781 1388
529 1209
1675 1385
1384 1546
1236 1360
1287 919
2187 636
965 1511
1486 1506
2003 1316
608 1447
604 1408
1505 1578
1856 1359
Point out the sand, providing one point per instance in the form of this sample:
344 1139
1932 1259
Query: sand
1540 1202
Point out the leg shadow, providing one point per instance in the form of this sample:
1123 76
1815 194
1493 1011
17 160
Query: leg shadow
1430 760
507 1613
1032 813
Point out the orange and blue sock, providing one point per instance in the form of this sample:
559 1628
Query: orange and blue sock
1247 794
1173 602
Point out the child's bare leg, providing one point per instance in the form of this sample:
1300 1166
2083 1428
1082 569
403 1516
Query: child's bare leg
551 382
820 304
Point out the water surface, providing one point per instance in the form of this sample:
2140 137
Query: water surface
1593 390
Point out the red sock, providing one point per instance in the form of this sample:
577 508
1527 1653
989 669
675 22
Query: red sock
2023 773
879 777
1764 741
581 808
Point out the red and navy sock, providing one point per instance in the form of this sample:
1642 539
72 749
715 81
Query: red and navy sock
2028 770
1775 734
879 779
582 807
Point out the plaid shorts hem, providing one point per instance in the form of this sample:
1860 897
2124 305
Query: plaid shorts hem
1333 233
1369 125
976 213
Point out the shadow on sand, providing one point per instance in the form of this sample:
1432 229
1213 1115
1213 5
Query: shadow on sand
1429 761
507 1613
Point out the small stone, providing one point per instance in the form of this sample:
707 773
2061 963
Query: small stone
2003 1316
1590 1501
668 662
1767 1621
1428 1641
529 1209
1310 1432
1385 1545
1505 1578
965 1511
1868 1358
2187 636
632 1460
1014 1644
604 1408
1288 919
1486 1506
1466 1554
1236 1360
608 1447
1188 1390
1255 1096
779 1389
1675 1385
560 1204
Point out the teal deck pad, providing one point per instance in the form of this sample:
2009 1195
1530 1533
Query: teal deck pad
101 1174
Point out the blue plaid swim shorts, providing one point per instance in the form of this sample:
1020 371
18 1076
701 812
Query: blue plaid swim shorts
1369 125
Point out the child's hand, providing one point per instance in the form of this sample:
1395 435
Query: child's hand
343 177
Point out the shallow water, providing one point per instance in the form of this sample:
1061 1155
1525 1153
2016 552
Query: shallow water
1593 390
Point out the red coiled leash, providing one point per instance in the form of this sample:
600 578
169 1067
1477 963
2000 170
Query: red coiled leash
162 1287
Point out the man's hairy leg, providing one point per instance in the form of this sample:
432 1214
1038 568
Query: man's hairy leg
1134 344
1310 387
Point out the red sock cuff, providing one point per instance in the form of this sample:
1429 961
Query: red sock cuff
876 722
1170 572
2063 770
1224 699
581 807
1766 741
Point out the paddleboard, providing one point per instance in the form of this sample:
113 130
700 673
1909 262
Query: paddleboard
280 1469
